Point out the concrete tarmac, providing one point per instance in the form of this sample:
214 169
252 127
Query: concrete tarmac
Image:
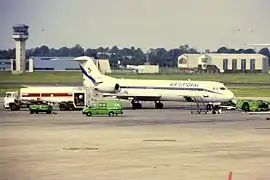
145 144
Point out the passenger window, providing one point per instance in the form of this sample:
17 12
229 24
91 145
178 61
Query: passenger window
222 88
102 105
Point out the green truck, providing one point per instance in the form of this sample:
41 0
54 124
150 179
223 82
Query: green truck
252 105
40 107
104 107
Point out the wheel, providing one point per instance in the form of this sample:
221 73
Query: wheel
89 114
111 114
71 107
159 105
31 112
245 107
48 112
13 107
62 107
136 105
36 112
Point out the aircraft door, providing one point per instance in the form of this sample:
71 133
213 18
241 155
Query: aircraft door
79 99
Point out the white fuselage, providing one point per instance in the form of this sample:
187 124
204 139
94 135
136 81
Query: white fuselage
167 90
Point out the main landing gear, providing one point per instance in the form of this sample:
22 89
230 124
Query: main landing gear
159 105
137 105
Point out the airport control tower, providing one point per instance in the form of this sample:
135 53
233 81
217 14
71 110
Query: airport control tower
20 35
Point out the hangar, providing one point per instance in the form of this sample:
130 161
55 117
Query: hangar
216 62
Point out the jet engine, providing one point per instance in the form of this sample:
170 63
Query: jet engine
117 87
108 88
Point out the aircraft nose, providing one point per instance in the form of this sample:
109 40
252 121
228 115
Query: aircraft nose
230 95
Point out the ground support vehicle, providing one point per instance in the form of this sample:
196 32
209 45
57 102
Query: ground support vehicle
19 104
252 105
40 106
108 107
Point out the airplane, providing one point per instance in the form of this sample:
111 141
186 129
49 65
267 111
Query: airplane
138 90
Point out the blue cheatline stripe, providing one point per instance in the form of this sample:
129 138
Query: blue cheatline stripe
168 88
87 75
149 87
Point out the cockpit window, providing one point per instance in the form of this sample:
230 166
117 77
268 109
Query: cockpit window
222 88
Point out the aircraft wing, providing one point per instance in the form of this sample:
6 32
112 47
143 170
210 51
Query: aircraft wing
139 96
228 107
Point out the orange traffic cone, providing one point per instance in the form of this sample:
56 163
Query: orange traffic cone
230 176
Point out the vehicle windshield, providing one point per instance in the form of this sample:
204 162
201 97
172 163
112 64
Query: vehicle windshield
222 88
8 95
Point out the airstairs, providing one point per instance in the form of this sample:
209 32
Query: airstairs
198 103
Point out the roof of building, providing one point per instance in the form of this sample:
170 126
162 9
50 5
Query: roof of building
223 55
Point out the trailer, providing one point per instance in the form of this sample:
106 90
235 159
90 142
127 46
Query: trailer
64 97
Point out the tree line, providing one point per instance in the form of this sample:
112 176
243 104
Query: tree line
132 55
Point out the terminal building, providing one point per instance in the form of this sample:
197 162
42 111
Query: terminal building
215 62
65 64
5 65
53 64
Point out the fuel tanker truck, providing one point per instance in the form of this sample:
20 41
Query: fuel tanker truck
67 98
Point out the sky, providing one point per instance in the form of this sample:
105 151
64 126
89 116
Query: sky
202 24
